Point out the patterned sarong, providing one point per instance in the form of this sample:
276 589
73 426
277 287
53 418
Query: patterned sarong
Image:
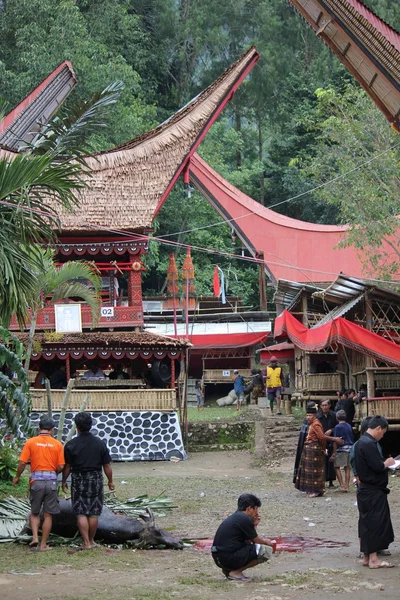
311 473
87 493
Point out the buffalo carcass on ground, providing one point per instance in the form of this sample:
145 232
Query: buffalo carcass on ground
117 529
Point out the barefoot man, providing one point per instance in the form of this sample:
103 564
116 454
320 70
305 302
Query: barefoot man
237 545
374 525
87 456
46 456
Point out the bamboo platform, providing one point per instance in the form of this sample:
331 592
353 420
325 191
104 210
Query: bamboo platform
217 375
108 400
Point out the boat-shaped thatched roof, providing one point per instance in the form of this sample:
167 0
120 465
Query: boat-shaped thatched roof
129 183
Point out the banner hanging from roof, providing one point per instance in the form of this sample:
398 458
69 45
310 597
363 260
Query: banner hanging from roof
338 331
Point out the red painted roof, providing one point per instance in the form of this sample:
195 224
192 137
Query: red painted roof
388 32
293 249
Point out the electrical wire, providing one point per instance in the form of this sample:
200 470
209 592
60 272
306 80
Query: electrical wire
302 194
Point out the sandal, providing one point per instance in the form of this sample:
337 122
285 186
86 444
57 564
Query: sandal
382 565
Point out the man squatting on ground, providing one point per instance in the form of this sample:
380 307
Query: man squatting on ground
46 456
237 545
374 526
87 456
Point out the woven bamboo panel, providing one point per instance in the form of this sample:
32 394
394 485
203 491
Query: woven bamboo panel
384 381
385 407
216 375
110 400
323 382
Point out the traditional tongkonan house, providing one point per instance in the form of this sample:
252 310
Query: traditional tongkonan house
127 188
346 335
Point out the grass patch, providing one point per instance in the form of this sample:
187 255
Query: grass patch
17 557
214 413
7 489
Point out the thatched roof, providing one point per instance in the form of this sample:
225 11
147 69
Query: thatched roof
129 183
106 339
366 45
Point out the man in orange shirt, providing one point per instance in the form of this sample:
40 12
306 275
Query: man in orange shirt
46 456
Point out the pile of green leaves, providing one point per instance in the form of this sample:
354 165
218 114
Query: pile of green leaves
9 452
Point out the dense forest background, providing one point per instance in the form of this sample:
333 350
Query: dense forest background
298 121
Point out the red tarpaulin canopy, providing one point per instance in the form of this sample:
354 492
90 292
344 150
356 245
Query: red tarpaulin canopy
227 340
338 331
282 352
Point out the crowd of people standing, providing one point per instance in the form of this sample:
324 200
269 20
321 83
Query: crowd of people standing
326 446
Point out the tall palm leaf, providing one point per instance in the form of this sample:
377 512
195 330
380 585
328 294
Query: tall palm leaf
27 185
67 281
33 185
69 133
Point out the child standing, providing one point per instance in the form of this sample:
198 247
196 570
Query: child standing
341 454
198 388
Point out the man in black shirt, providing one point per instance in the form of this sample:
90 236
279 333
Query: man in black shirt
347 404
237 546
374 525
87 456
327 418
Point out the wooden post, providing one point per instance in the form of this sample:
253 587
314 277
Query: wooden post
48 394
64 408
369 360
68 367
172 373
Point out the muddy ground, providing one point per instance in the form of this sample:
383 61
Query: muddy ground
205 489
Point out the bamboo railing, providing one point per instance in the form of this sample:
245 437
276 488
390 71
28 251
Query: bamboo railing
108 399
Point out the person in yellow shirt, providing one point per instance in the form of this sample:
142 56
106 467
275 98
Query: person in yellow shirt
46 456
274 384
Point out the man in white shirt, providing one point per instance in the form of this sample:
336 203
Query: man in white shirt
94 372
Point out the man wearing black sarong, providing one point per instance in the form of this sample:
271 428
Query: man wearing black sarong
328 420
374 525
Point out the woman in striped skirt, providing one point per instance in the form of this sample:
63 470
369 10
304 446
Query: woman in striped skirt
311 473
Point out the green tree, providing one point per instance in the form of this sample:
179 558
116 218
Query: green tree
358 151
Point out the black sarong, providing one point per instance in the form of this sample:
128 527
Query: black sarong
300 445
374 526
87 493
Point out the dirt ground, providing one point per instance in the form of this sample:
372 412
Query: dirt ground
205 489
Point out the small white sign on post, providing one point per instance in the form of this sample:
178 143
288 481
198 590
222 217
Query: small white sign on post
226 373
107 311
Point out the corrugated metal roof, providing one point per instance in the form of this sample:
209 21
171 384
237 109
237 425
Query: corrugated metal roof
345 288
339 311
288 292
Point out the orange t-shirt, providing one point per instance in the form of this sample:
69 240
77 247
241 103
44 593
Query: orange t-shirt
44 452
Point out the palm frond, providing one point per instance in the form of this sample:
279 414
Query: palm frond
69 134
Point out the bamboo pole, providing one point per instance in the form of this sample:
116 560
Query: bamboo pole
48 394
64 408
73 426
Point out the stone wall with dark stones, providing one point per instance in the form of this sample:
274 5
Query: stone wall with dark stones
205 437
133 435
